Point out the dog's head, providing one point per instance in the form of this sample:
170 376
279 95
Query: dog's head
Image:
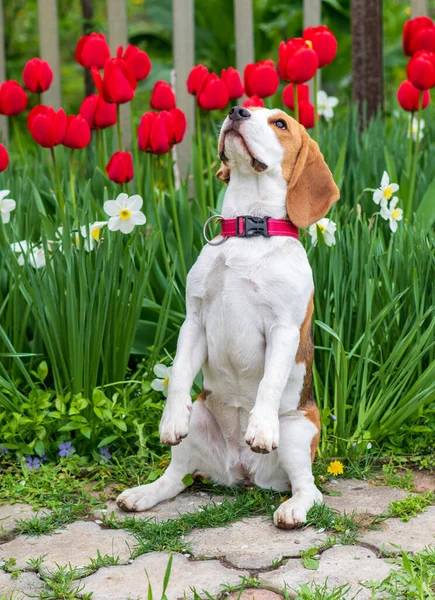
259 140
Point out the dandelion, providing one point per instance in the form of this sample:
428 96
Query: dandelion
6 206
335 468
66 449
94 234
35 254
125 213
413 129
326 105
32 463
392 214
384 193
105 454
327 228
161 383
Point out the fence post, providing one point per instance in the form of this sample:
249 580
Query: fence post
117 24
313 18
419 8
244 26
49 48
3 120
183 38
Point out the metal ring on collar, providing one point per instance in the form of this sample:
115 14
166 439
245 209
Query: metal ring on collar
204 231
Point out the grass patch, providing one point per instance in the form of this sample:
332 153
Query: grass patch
315 591
411 506
346 527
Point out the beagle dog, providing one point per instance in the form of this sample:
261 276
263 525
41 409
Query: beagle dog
248 326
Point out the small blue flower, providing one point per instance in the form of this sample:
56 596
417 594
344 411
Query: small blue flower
32 463
3 450
333 417
66 449
105 454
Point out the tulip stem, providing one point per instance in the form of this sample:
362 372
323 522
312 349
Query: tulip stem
208 159
316 115
175 214
118 126
410 144
159 224
415 159
72 186
59 187
135 146
18 140
296 102
200 165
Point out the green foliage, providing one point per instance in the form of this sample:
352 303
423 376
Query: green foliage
411 506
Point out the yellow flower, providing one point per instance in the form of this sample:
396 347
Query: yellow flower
408 11
335 468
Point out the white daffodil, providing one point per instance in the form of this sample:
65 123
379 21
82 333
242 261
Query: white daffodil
383 194
35 254
414 129
125 213
392 214
95 234
327 228
161 383
6 206
326 104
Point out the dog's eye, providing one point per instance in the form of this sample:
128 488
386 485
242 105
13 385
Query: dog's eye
280 123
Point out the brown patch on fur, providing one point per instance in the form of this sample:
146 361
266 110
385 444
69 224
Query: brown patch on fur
224 173
312 413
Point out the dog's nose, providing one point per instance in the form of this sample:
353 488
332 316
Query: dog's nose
238 113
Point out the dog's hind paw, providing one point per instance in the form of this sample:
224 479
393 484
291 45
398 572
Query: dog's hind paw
262 434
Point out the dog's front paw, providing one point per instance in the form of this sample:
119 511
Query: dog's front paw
262 434
174 425
293 512
137 499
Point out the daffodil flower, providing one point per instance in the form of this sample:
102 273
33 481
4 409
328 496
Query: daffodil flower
95 234
125 213
161 383
326 105
413 129
392 214
6 206
384 193
327 229
35 254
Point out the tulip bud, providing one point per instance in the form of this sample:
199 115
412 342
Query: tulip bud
162 97
120 167
97 113
418 34
144 131
288 95
196 80
261 79
253 101
46 126
13 99
421 70
180 124
306 114
37 75
408 96
137 61
92 51
297 61
233 83
118 85
77 134
323 43
214 94
4 158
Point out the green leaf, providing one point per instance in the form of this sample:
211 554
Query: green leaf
425 212
391 167
339 167
308 560
42 370
188 480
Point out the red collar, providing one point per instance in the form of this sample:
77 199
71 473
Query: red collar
247 226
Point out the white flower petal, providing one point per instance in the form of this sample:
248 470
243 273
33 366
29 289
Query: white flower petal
114 223
322 97
111 208
377 196
161 371
6 216
134 202
394 187
126 226
393 225
333 101
138 218
385 181
385 213
20 246
8 205
121 200
158 385
393 202
4 193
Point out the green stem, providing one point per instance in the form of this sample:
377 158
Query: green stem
208 159
118 126
72 187
59 187
135 149
103 131
159 224
18 140
295 100
175 215
316 114
201 191
410 145
415 160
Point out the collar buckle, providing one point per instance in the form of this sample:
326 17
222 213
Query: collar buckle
253 226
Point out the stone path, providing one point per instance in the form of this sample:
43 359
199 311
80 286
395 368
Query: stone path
217 557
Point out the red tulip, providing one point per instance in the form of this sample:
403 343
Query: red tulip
78 133
37 75
156 132
144 131
4 158
233 82
180 124
118 84
98 113
253 101
214 94
13 99
306 114
421 70
162 98
261 79
409 96
323 43
120 167
196 79
288 95
92 51
418 34
47 127
297 61
137 61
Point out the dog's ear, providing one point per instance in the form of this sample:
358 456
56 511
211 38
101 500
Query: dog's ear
224 173
311 190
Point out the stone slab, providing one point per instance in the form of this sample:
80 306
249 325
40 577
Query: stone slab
361 496
130 582
252 543
254 594
412 536
27 584
10 513
339 565
187 502
76 544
